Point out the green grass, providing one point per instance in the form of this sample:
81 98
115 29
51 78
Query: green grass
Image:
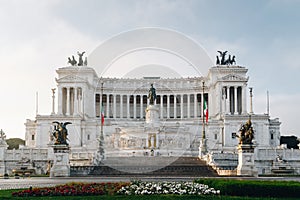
230 189
6 194
254 188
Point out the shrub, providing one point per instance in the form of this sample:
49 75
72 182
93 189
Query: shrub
254 188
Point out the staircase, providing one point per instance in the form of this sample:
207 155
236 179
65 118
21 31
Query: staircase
148 166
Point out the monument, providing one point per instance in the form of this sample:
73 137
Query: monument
171 127
152 111
246 166
61 165
152 121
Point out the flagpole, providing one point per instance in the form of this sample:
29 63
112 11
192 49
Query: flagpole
101 139
268 103
101 131
203 149
203 120
37 103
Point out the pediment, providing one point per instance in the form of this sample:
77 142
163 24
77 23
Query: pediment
71 78
233 77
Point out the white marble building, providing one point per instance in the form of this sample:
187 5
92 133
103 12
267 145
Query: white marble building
179 131
179 100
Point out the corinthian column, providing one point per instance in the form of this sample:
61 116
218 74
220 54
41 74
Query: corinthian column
134 106
121 106
175 102
181 106
235 100
68 102
188 106
53 101
168 106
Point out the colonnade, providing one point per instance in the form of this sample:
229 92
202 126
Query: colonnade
70 100
172 106
234 100
133 106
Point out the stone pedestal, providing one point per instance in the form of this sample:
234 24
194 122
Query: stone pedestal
202 148
246 166
61 164
152 114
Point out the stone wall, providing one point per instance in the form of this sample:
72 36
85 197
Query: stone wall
36 159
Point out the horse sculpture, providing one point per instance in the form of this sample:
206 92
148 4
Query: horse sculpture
223 61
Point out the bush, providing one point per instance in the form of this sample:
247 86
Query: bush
253 188
13 143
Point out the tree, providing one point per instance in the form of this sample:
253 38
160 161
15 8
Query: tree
13 143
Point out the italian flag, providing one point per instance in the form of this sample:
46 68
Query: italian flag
102 114
205 111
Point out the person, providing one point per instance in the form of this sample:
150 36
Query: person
152 95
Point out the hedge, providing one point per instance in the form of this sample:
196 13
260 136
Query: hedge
254 188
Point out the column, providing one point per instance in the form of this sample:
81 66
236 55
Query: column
168 106
101 104
134 106
115 106
107 105
188 106
161 106
53 101
121 106
76 101
228 100
175 102
60 101
235 100
148 102
128 111
68 101
244 100
83 102
72 101
224 100
195 105
251 98
141 106
181 106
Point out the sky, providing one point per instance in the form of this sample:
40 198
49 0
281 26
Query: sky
36 37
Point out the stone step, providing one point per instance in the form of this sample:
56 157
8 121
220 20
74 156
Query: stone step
182 166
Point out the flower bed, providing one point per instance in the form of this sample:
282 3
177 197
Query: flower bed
133 188
180 188
73 189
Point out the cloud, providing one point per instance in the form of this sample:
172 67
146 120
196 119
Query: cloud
34 45
37 36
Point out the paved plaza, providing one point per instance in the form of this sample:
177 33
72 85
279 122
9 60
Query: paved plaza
13 183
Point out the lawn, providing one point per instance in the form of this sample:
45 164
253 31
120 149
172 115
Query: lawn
6 194
230 189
